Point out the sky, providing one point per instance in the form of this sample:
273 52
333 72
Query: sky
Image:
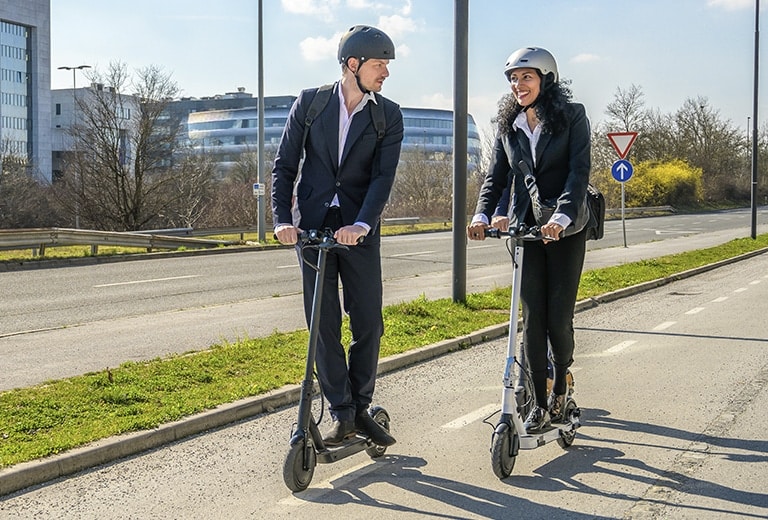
672 49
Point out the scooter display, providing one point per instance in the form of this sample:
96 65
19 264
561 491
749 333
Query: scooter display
307 448
517 398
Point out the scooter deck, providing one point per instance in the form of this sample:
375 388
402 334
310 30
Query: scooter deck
334 453
530 441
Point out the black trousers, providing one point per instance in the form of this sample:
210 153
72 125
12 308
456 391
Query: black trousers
551 274
347 379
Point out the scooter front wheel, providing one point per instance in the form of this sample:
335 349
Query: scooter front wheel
299 466
504 447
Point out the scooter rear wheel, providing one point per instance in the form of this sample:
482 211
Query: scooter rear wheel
566 438
298 472
381 416
504 447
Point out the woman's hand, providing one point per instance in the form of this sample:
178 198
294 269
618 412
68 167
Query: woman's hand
551 231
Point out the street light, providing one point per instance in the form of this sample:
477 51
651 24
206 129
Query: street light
74 112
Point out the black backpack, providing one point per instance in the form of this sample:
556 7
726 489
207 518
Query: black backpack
321 99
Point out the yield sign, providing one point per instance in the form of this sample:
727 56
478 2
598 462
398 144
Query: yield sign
622 142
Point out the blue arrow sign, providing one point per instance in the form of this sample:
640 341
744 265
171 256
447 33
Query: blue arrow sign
622 170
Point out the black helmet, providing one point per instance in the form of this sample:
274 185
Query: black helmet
533 58
364 43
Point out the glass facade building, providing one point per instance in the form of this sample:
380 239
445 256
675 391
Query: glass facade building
225 134
25 93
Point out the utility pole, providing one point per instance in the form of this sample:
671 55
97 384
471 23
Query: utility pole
74 141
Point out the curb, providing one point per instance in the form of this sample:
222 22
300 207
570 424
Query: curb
26 474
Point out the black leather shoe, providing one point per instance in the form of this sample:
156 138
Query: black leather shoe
365 424
537 420
341 431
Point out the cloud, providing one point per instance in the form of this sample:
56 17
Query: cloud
396 26
380 6
731 5
318 49
322 9
437 100
585 58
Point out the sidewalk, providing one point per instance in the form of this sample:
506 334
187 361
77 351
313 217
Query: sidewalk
101 452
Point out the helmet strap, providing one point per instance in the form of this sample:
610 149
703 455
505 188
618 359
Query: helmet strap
357 76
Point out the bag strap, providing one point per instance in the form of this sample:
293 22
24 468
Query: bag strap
530 182
322 96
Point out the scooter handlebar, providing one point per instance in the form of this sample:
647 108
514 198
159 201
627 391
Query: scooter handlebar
522 231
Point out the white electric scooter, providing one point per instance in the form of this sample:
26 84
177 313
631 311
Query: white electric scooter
517 398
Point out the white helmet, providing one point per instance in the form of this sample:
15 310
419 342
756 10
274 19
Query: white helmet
533 58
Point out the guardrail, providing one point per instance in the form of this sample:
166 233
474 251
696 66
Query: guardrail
616 212
38 239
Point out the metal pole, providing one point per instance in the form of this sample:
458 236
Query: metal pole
753 233
262 221
74 140
461 52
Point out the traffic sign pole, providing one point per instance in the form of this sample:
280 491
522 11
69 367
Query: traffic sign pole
622 169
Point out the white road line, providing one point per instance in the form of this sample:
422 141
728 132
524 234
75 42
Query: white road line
148 281
720 299
695 310
665 325
292 266
621 346
754 282
740 289
471 417
412 254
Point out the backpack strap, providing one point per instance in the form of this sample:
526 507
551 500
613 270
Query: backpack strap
322 96
378 117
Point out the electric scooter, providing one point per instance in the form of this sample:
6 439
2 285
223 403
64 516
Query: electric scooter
306 445
517 398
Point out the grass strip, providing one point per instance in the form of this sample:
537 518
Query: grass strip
63 414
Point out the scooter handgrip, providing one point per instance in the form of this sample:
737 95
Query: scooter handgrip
492 233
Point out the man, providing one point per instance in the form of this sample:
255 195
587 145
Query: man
345 181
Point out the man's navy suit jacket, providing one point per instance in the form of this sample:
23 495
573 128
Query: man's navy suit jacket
362 179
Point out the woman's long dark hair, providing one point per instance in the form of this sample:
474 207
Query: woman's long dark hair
551 108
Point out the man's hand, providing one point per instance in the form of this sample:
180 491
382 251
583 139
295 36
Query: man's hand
287 234
350 235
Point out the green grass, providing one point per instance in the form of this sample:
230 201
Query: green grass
60 415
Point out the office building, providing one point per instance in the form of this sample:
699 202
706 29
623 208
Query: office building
25 83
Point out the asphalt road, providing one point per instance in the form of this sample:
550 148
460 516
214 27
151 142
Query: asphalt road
67 321
672 385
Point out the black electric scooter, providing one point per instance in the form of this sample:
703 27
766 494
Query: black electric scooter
509 435
306 445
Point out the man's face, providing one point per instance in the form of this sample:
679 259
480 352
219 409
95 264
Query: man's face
372 74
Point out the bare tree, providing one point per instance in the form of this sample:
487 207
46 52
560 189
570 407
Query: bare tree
710 143
118 175
423 187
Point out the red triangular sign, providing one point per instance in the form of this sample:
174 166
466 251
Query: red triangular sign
622 142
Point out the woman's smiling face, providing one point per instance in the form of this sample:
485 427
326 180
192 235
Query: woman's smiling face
526 85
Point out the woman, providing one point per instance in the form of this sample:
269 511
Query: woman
539 116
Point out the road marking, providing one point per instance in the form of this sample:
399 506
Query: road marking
412 254
665 325
695 310
292 266
740 289
471 417
754 282
621 346
148 281
720 299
